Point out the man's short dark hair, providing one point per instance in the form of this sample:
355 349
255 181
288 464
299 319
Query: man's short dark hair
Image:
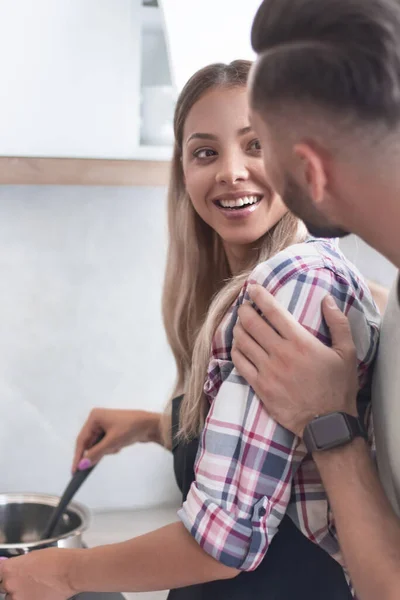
343 55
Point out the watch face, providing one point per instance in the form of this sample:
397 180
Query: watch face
330 430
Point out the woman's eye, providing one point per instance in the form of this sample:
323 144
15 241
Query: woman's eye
255 145
204 153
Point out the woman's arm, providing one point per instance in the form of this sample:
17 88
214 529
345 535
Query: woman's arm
163 431
247 463
164 559
121 428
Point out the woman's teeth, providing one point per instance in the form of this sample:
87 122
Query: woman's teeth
239 202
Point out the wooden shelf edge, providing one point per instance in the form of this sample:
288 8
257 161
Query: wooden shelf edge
82 171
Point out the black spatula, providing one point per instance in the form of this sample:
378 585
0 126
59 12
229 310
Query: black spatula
76 481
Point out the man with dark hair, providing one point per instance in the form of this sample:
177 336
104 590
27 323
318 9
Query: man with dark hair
325 98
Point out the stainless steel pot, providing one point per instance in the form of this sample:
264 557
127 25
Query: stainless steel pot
23 518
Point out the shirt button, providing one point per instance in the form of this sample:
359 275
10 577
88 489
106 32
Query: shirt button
262 512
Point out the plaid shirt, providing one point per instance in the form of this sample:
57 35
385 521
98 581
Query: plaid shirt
250 471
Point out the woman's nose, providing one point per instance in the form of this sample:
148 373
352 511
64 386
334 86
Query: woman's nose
232 169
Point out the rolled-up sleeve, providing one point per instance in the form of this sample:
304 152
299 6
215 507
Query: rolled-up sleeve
243 481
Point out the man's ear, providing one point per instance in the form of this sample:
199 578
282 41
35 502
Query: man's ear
313 170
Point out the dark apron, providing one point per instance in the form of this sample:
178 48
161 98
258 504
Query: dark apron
293 569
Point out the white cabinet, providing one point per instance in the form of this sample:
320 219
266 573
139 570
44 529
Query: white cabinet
157 92
71 74
200 32
92 78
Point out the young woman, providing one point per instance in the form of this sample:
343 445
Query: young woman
253 480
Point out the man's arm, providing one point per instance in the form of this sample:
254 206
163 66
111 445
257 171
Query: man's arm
298 378
368 529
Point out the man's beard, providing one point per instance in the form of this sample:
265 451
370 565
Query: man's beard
301 205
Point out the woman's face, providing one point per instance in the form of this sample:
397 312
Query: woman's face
224 171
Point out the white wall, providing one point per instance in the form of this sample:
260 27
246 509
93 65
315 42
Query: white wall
80 326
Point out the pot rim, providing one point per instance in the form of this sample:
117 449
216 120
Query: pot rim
50 500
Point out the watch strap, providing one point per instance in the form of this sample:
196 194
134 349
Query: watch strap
355 425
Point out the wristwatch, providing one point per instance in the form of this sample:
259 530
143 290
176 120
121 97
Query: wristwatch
331 431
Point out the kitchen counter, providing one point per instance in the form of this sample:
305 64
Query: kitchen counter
119 525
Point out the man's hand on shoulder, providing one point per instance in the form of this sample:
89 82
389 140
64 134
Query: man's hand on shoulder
292 372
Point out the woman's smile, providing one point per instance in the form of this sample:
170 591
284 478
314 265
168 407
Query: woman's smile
239 204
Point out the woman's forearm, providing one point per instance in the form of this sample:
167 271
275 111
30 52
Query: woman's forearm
159 429
163 431
164 559
368 529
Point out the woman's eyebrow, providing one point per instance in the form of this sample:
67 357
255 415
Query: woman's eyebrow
202 136
211 136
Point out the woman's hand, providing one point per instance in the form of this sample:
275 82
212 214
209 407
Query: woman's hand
40 575
121 428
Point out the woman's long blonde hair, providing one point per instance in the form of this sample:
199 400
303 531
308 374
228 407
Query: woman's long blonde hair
199 286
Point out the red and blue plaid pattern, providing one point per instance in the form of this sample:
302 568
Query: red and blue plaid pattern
250 471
